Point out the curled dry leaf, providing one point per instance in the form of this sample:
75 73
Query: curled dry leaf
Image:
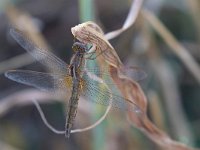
89 32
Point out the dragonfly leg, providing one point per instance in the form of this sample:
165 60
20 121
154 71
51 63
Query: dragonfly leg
92 53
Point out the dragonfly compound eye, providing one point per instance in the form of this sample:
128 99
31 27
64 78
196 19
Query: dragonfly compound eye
78 46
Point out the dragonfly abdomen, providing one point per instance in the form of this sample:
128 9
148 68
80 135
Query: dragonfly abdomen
72 107
76 64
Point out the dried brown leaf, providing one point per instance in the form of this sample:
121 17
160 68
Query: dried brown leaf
130 89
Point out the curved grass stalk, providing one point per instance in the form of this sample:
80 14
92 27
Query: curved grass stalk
73 131
95 124
45 120
130 20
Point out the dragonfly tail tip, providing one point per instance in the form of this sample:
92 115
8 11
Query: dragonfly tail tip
67 133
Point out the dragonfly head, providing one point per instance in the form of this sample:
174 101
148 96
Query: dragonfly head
79 47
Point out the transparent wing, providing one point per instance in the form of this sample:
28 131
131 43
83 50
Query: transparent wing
97 91
135 73
44 81
47 58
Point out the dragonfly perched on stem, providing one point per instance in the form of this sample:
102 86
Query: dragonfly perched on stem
74 78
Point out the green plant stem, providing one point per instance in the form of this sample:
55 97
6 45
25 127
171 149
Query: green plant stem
86 10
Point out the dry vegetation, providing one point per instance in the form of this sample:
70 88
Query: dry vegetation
169 114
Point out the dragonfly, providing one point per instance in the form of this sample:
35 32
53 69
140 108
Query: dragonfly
74 79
